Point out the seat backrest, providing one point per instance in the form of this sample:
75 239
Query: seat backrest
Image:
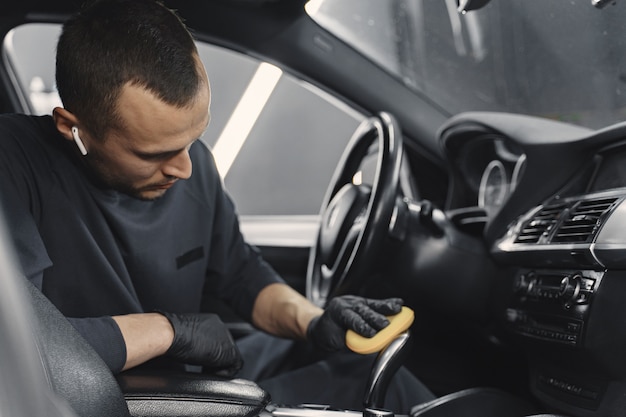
23 388
46 365
73 369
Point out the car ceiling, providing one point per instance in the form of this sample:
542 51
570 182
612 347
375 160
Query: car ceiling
280 31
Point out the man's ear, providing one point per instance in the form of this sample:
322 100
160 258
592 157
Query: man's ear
64 121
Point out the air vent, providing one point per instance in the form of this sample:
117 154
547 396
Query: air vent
540 224
582 221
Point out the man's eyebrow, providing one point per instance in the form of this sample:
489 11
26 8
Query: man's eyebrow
169 153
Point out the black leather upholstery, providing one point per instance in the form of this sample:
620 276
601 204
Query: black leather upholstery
23 388
74 370
155 394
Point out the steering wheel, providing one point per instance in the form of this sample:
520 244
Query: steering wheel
356 218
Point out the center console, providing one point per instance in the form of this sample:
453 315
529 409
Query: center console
562 303
570 324
552 305
486 402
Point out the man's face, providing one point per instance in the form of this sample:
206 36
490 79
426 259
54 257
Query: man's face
149 151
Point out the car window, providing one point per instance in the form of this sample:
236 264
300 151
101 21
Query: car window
276 138
518 56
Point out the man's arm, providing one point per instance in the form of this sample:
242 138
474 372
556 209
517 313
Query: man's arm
282 311
197 339
146 335
278 309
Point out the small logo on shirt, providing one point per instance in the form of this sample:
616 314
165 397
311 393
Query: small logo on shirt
189 257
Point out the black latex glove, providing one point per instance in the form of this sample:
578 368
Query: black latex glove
363 315
203 339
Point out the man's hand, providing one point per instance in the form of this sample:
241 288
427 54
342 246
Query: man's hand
364 316
203 339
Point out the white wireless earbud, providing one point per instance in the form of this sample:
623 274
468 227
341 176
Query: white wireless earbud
79 142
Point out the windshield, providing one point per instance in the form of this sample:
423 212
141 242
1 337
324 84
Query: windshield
560 59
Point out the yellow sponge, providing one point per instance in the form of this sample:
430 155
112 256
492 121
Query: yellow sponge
398 323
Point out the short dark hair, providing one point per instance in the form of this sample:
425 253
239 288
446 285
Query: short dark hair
110 43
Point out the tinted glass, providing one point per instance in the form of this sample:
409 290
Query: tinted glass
553 58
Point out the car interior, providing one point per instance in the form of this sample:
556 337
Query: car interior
468 156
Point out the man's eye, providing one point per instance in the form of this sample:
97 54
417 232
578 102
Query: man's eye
158 156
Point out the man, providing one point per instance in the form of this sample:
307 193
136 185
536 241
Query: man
119 232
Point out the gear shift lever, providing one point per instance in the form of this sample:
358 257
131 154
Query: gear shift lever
385 366
383 369
390 342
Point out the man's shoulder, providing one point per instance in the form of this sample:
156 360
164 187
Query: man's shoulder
205 183
22 121
200 153
27 144
203 163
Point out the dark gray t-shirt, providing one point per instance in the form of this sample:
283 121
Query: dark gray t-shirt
96 252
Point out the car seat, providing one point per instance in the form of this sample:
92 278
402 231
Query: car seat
73 369
23 388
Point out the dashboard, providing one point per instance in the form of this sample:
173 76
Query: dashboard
497 182
554 202
492 167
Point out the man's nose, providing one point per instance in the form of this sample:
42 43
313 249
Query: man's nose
179 166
